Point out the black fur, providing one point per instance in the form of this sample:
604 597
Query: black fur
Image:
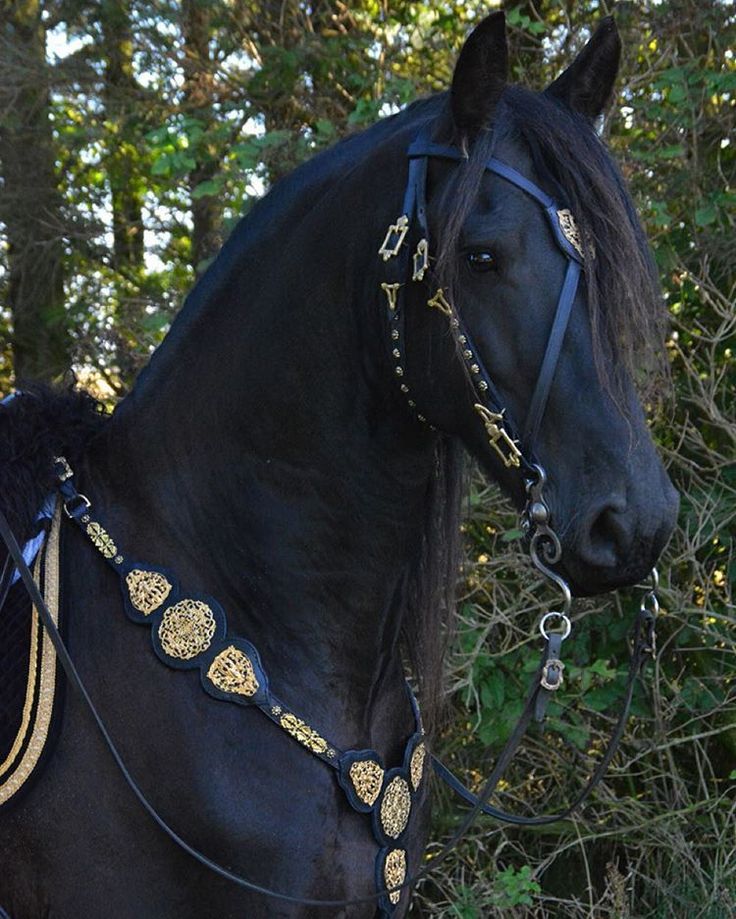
36 426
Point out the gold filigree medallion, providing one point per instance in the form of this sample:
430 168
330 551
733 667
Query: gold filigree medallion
570 230
101 539
367 778
232 671
395 807
147 590
186 629
394 873
302 732
416 765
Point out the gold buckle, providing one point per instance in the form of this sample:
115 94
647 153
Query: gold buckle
397 230
391 291
545 680
440 302
421 260
498 436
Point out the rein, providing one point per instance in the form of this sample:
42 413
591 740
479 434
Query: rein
191 632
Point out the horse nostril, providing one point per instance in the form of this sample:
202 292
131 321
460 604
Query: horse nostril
607 539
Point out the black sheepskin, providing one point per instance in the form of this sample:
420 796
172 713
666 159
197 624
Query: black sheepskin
36 426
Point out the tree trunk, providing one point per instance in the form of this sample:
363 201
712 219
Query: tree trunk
120 97
31 204
198 91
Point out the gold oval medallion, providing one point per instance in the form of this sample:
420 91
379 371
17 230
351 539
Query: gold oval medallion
367 778
147 590
232 671
395 807
394 872
416 766
186 629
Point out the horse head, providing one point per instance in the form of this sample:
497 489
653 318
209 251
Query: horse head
529 220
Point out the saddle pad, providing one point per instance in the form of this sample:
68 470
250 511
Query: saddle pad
30 703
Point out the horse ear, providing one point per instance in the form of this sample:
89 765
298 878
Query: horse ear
480 75
587 84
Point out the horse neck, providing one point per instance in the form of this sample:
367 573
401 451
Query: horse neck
273 464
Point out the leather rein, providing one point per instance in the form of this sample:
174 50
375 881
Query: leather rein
230 668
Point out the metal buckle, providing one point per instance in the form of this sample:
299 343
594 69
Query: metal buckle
498 436
440 302
75 511
62 469
397 230
552 678
391 291
421 260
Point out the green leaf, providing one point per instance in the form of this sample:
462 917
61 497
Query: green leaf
706 215
210 187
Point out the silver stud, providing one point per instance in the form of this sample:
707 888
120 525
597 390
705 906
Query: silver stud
482 385
412 403
404 387
454 323
395 334
467 354
462 339
399 371
396 352
475 368
421 418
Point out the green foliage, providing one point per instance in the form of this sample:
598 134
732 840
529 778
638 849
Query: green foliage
164 134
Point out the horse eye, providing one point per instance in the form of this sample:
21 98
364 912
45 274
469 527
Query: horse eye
481 261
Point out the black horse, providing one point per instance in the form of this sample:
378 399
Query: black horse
270 457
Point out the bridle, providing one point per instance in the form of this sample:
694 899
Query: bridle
514 447
515 452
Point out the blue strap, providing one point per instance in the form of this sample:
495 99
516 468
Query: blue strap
516 178
552 354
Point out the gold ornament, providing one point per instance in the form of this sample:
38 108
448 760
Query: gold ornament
101 539
186 629
395 807
394 873
232 671
147 590
570 230
302 732
416 766
367 778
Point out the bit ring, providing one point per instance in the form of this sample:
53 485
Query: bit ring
564 620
